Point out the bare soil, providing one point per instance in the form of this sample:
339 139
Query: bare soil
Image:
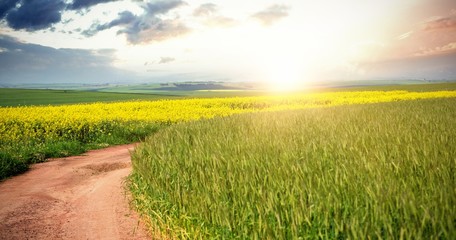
80 197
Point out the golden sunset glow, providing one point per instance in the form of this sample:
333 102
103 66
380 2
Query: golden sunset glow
285 44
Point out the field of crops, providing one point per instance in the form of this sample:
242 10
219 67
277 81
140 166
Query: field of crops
29 97
303 165
380 171
82 121
31 134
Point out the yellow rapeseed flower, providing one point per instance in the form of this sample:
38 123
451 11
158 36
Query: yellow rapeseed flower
81 120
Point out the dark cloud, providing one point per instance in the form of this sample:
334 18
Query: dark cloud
150 26
80 4
206 9
440 23
7 5
31 63
18 55
271 14
34 15
166 60
154 29
162 7
123 19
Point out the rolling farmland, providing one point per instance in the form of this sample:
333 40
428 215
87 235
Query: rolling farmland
375 162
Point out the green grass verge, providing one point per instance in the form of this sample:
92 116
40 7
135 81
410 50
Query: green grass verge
16 157
383 171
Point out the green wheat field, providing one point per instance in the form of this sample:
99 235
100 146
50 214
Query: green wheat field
379 171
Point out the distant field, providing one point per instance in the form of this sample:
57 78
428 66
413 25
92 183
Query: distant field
450 86
27 97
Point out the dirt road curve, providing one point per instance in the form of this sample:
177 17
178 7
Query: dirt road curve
81 197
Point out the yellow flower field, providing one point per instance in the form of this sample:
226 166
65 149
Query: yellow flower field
81 120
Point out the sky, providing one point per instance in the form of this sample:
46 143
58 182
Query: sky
286 43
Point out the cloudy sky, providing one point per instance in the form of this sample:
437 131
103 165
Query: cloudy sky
284 42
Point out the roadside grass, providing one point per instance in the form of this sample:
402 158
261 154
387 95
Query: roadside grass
382 171
15 158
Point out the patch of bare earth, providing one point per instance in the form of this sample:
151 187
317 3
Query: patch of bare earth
81 197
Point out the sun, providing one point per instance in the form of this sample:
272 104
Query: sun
283 68
281 57
283 73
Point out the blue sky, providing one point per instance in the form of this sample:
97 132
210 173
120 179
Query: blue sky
287 43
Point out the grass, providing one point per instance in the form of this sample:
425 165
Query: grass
15 158
383 170
27 97
451 86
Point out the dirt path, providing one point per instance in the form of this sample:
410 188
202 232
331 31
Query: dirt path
81 197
